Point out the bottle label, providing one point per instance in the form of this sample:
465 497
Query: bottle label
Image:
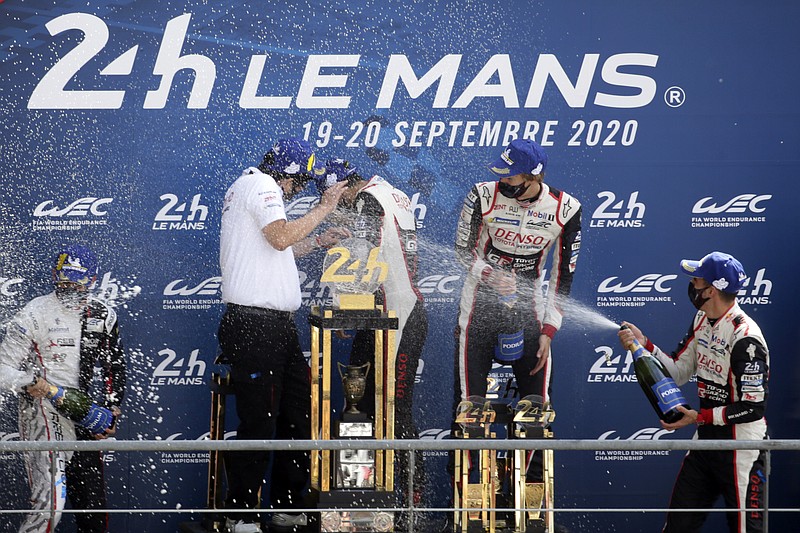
98 419
668 393
509 346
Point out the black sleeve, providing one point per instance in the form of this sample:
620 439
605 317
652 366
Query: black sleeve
368 218
468 230
101 345
750 373
114 368
570 247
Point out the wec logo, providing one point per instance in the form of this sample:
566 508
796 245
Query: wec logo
207 287
437 283
434 434
643 284
438 288
642 434
300 206
7 286
739 204
82 207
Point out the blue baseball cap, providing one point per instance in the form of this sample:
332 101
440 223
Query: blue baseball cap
293 156
522 156
336 170
77 264
721 270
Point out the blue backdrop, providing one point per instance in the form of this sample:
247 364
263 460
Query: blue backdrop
675 124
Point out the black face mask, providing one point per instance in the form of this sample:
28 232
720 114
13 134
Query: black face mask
70 295
512 191
694 296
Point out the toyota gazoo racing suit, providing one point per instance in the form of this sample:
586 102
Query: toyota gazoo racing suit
62 343
496 232
731 360
383 216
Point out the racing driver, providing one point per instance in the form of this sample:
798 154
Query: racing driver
505 232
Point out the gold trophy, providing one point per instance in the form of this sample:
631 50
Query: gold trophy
501 482
475 416
532 416
349 483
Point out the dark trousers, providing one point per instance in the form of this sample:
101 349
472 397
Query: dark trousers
476 354
86 488
270 379
406 363
707 475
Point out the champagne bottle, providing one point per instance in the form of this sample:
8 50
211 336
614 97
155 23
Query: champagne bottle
659 387
511 336
79 407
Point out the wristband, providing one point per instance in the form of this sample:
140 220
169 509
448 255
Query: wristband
486 272
649 346
705 416
319 243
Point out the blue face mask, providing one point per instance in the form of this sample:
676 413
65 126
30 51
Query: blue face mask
512 191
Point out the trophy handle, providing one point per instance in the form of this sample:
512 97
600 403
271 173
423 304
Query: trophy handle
341 366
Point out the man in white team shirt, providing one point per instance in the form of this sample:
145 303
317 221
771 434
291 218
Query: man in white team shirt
257 334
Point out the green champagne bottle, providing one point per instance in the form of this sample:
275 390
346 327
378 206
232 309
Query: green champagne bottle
79 407
659 387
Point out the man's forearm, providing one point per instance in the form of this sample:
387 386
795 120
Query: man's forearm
282 234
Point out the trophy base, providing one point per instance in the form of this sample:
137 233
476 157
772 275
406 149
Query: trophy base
356 417
505 526
339 516
356 522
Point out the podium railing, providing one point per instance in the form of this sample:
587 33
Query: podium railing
403 445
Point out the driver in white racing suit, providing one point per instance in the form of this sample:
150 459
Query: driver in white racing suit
58 339
727 351
506 230
382 214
